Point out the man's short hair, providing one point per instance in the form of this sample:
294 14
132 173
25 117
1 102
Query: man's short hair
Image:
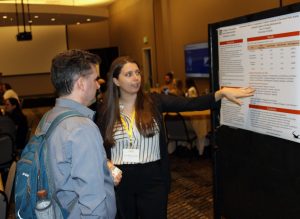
68 66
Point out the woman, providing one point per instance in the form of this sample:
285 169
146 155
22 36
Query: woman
14 111
191 89
131 123
9 92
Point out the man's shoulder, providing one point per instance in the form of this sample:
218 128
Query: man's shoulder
71 120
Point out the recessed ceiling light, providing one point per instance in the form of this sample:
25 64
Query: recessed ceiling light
53 19
30 21
4 16
78 23
88 19
36 16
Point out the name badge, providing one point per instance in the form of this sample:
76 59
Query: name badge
131 155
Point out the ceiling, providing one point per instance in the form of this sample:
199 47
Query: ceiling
52 12
60 2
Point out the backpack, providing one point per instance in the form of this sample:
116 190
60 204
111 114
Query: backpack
31 174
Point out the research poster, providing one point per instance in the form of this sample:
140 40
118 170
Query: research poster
265 55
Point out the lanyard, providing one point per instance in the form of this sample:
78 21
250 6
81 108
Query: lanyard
129 130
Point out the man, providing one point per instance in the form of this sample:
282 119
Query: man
76 156
168 83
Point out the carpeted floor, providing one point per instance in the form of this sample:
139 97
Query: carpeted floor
191 188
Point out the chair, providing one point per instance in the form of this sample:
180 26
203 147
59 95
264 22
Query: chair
10 180
177 130
7 150
3 205
5 195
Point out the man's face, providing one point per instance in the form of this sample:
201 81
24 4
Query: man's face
91 85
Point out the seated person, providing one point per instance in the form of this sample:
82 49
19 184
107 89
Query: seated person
14 111
191 89
1 92
178 89
7 126
9 92
168 83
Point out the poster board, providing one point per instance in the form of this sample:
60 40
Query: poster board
263 54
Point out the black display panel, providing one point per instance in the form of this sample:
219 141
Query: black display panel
256 169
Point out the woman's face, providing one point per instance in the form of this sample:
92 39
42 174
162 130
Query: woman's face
129 80
8 106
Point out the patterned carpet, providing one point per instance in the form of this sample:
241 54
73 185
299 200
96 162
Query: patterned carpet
191 188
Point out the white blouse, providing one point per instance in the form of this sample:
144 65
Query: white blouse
148 146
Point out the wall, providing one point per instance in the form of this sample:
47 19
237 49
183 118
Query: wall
288 2
30 84
28 62
129 22
191 25
176 23
26 65
88 36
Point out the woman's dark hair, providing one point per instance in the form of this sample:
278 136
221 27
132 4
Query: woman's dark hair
110 111
15 102
190 83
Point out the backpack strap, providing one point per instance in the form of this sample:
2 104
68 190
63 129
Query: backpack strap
53 125
60 118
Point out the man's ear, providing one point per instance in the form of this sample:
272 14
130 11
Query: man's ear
79 83
116 82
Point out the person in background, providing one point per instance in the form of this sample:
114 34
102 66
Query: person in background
14 112
178 89
77 160
7 126
168 83
131 124
1 90
99 94
9 92
191 89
